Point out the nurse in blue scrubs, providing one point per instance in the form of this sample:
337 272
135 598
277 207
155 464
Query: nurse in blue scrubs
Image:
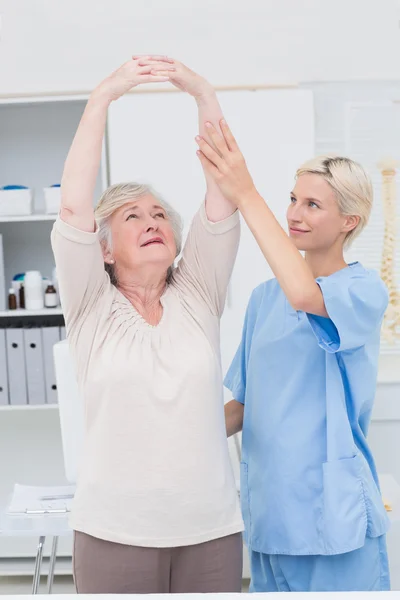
303 381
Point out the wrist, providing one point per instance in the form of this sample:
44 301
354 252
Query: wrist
208 94
100 97
249 198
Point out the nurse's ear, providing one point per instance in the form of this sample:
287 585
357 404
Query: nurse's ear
350 223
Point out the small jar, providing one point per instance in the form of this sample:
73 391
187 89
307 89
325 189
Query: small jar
50 296
12 299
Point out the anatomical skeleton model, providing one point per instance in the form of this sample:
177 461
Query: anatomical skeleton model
391 322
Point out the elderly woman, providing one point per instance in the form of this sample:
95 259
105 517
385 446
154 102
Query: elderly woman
156 507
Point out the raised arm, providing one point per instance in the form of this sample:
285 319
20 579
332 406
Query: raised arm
218 207
228 168
83 160
76 246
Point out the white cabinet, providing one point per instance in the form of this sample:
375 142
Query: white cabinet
35 137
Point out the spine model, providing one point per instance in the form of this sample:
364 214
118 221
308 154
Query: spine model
391 322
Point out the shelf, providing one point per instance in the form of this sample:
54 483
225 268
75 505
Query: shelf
27 407
45 312
22 567
22 218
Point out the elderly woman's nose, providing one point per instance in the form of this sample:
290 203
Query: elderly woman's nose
151 224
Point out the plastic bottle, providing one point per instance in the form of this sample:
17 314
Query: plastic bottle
34 298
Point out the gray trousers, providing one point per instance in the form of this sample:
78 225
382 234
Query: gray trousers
102 567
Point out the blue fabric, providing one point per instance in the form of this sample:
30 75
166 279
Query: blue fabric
308 480
366 569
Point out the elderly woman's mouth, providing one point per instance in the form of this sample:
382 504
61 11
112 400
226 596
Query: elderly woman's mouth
156 240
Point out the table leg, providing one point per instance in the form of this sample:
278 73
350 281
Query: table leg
52 564
38 565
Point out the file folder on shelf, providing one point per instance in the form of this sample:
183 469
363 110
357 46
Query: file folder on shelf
16 366
3 369
3 295
33 348
50 336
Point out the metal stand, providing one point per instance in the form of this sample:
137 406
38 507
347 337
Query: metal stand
38 565
52 564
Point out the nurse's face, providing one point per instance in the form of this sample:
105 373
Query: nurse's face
313 216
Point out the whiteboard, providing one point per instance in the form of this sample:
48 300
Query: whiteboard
151 139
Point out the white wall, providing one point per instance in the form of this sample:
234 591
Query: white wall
49 46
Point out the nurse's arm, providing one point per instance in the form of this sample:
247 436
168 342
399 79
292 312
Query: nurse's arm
289 267
228 168
233 417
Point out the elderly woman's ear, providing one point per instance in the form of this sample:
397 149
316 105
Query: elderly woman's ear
107 255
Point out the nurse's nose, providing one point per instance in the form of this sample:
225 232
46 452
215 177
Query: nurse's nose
295 212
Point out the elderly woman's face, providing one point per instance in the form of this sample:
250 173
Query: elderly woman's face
142 235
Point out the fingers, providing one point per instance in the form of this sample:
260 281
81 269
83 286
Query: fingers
209 152
156 57
145 62
163 73
153 78
156 69
207 165
228 135
217 139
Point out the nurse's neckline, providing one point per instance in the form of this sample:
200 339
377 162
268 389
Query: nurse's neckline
343 269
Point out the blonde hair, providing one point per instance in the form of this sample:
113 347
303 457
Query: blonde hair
351 184
116 196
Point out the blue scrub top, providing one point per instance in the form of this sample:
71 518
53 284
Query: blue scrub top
308 480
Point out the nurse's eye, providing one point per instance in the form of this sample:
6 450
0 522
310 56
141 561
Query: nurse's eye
132 216
313 204
292 199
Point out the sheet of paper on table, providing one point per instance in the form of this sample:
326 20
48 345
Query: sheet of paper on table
40 500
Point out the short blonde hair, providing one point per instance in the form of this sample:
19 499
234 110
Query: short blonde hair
351 184
119 194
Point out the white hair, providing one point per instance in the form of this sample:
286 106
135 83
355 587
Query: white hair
351 184
119 194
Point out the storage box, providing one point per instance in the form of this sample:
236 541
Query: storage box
15 201
52 198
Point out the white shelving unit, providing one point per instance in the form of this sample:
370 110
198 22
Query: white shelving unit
27 218
28 407
45 312
36 134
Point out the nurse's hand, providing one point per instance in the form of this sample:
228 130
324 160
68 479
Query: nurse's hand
183 78
132 73
226 164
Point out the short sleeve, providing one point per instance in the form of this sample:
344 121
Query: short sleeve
355 303
236 377
208 258
80 270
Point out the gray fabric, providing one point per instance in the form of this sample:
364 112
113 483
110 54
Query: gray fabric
102 567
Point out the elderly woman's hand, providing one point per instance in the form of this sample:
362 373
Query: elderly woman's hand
226 164
134 72
182 78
